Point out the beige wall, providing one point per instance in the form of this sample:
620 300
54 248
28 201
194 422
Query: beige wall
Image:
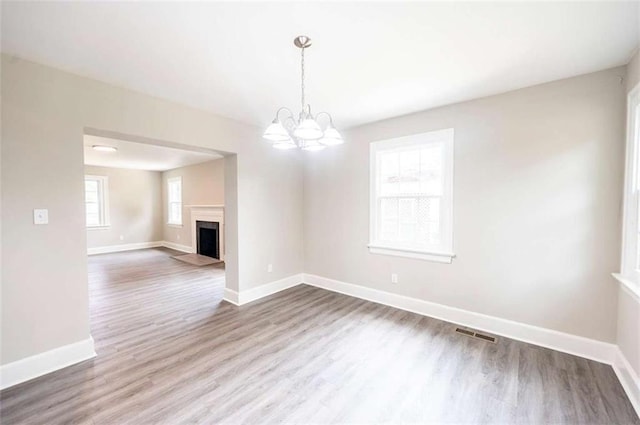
202 184
628 323
135 207
44 115
537 197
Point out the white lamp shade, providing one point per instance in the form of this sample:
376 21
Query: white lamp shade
312 145
308 129
276 132
331 137
285 144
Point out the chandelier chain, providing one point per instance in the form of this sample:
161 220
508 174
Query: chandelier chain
302 73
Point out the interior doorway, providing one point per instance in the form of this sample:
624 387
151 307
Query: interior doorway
156 215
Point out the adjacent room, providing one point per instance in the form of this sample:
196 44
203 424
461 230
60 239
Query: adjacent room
320 212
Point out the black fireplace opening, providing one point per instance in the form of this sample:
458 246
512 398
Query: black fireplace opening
208 238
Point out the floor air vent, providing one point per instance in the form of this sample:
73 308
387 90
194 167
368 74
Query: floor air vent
477 335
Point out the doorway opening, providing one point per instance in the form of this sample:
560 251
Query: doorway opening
156 215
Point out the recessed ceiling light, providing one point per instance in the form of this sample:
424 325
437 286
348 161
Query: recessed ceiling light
103 148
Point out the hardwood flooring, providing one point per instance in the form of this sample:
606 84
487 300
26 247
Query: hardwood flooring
171 351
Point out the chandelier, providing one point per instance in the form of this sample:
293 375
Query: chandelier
305 132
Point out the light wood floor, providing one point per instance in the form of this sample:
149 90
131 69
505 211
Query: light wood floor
171 351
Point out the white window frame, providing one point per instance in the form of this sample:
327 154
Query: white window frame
103 202
442 253
170 220
629 274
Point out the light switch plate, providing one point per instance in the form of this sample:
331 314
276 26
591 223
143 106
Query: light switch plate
40 216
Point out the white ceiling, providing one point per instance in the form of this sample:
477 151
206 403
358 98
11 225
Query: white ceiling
369 61
140 156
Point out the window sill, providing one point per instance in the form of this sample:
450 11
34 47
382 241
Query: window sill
438 257
105 227
632 288
176 225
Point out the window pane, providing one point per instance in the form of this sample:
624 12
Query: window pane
409 181
93 208
389 230
431 168
175 212
412 190
389 208
91 185
389 175
93 219
175 189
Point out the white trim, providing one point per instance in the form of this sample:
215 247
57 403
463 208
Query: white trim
182 248
103 201
124 247
269 288
106 227
34 366
231 296
628 378
261 291
560 341
628 286
438 257
629 248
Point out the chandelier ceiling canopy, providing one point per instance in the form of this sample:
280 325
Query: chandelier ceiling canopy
304 132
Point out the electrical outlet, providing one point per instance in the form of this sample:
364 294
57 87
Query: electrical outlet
178 236
121 237
270 268
41 216
394 278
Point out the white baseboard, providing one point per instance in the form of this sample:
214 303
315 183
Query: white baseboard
261 291
123 247
139 245
567 343
31 367
244 297
177 247
628 378
231 296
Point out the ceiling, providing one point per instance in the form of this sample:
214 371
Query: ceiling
369 60
140 156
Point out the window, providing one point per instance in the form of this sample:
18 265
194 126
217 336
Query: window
174 189
96 198
630 267
412 196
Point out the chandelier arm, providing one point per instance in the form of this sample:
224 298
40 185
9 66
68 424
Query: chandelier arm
284 108
327 114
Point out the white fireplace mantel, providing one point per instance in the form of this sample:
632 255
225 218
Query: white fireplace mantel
213 213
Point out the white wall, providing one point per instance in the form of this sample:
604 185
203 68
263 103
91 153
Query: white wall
135 207
537 198
44 115
202 184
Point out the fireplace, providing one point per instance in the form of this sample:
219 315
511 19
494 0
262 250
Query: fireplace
214 230
208 238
